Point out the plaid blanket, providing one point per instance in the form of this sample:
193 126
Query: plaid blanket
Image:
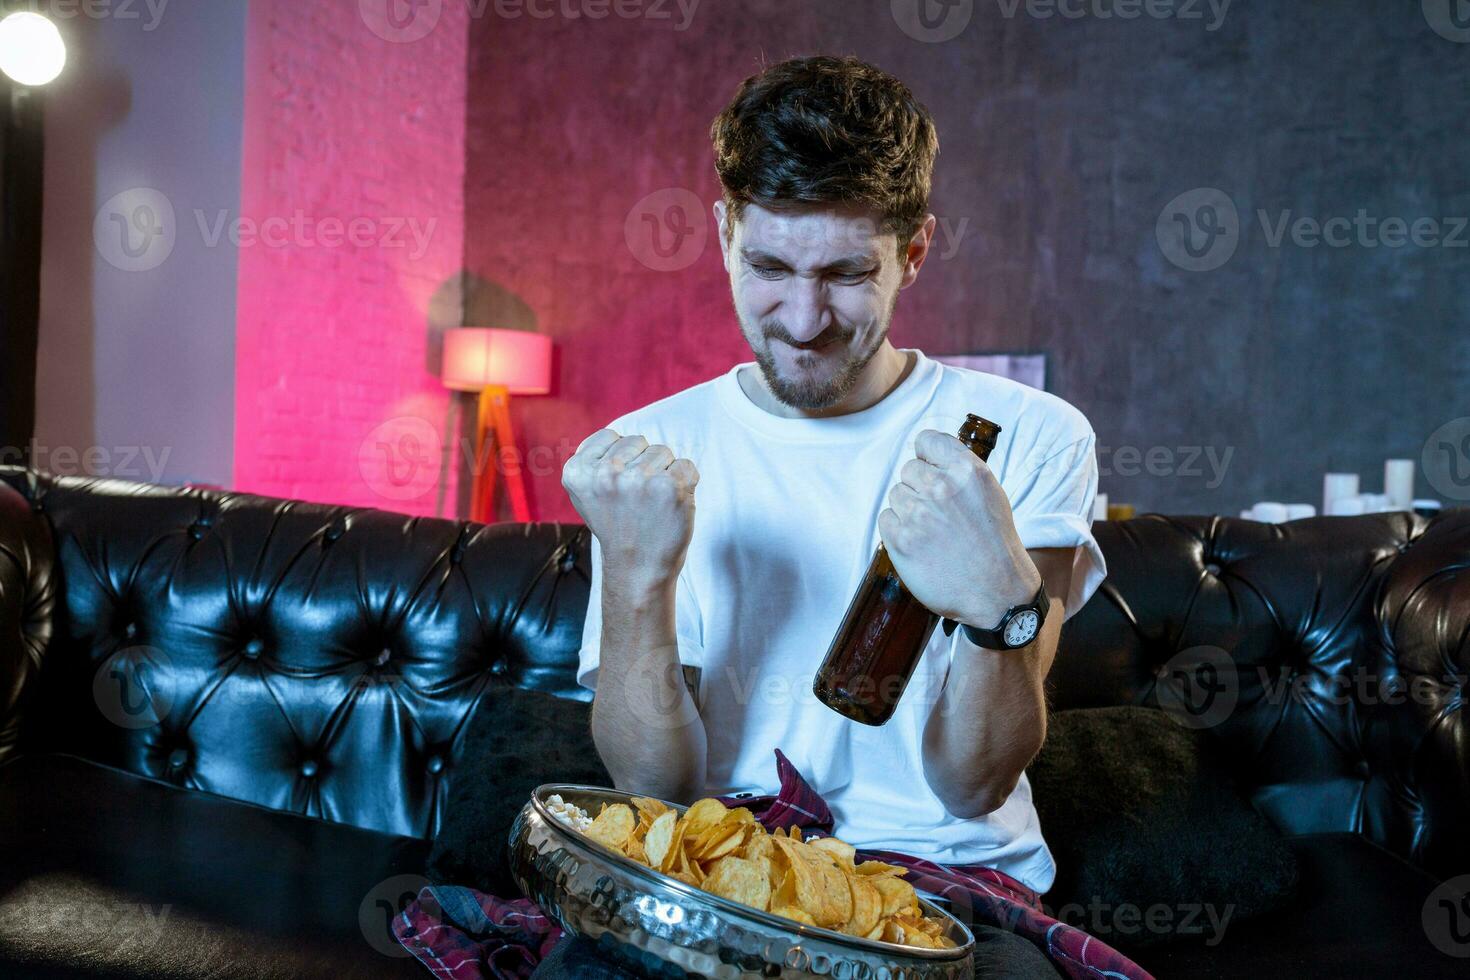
463 934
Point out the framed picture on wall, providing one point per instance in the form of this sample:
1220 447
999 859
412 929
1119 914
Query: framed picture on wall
1027 367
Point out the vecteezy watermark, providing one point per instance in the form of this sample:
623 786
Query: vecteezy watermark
124 462
132 687
138 229
1201 229
932 21
1450 19
1198 687
1446 917
1211 11
1200 920
97 923
401 458
1181 461
667 230
1446 459
148 11
405 21
384 902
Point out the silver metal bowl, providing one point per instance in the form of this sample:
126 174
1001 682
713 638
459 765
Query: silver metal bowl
664 928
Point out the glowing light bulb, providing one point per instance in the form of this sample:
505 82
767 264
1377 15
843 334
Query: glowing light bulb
31 49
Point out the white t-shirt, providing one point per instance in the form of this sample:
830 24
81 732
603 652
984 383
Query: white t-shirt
786 521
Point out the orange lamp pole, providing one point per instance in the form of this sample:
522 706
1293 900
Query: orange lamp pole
494 435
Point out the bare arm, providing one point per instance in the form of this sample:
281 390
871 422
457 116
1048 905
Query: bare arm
990 720
638 500
644 719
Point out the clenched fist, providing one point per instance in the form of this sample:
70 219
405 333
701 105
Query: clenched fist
637 499
950 533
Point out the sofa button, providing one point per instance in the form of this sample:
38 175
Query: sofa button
177 758
499 667
130 631
382 657
1212 568
332 533
196 531
308 769
436 765
254 649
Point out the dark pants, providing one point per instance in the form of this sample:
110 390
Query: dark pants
997 954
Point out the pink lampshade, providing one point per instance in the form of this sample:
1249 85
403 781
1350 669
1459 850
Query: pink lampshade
475 357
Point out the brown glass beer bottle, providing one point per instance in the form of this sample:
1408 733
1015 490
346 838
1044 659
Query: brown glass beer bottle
885 629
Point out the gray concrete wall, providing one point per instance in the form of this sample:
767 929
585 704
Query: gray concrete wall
135 372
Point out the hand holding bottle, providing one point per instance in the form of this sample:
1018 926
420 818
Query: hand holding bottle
949 532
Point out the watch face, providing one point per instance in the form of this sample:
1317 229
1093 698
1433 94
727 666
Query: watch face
1022 628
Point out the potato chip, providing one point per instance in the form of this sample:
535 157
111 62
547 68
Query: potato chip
660 836
675 853
879 868
841 850
613 826
794 913
703 815
897 894
741 881
867 906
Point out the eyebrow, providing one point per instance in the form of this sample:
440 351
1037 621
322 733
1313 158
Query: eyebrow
860 260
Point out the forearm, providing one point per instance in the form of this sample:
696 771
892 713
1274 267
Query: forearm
644 720
990 720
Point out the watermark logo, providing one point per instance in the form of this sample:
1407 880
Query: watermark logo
1446 459
1182 10
401 21
1446 917
381 905
932 21
99 10
1199 230
667 230
136 231
400 459
1450 19
1199 687
131 687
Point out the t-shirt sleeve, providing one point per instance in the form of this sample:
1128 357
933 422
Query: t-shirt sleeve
688 625
1052 508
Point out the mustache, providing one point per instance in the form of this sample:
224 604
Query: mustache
820 341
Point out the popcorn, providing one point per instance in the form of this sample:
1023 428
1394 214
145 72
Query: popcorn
568 813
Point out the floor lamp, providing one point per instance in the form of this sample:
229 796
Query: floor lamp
497 364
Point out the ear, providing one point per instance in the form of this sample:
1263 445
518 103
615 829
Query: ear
722 223
918 251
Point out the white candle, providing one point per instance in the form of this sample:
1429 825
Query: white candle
1335 486
1295 512
1270 512
1398 482
1100 507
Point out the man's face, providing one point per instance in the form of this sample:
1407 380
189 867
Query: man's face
814 291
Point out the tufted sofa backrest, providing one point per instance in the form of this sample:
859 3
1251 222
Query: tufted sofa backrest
324 660
1329 655
310 658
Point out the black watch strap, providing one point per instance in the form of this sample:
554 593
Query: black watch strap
994 639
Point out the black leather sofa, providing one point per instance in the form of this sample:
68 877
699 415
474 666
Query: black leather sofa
227 722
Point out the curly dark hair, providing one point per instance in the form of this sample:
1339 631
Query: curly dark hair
827 129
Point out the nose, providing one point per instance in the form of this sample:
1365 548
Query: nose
805 315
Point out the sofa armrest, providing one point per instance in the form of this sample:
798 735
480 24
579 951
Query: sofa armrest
27 603
1418 730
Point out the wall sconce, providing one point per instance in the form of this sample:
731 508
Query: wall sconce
31 50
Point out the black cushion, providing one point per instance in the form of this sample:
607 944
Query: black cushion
516 740
108 874
1140 814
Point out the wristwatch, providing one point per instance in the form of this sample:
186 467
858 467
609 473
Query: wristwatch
1016 628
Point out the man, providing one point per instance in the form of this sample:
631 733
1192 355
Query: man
703 634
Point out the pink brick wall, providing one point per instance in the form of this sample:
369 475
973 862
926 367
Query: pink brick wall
353 173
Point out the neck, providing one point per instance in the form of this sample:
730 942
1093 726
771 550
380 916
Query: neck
882 374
